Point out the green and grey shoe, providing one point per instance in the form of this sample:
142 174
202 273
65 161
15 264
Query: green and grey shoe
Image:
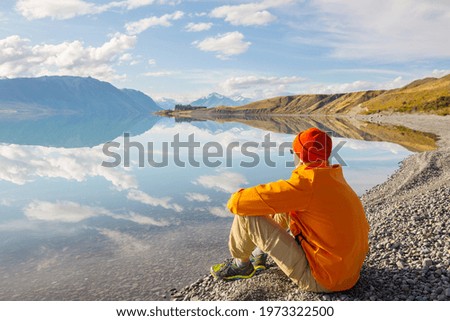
259 261
229 270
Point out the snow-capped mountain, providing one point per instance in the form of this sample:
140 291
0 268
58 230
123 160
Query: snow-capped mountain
166 103
215 99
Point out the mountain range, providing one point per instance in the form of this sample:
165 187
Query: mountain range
429 95
211 100
68 95
215 100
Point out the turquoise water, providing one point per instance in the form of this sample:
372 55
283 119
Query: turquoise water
71 228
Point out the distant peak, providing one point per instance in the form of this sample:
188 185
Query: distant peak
214 94
239 98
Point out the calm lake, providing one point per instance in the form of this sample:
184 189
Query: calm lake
76 226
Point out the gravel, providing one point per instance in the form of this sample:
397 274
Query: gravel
409 256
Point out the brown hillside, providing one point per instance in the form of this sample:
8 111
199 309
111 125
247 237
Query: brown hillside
419 82
428 95
277 105
350 103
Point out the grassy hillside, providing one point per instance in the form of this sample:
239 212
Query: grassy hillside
302 104
429 95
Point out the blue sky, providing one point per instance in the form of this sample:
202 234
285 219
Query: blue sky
259 48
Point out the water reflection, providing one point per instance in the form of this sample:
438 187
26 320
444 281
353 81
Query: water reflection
73 229
349 127
71 131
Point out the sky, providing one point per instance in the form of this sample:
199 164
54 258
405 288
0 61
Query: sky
186 49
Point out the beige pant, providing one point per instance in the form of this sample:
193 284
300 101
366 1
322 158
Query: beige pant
270 235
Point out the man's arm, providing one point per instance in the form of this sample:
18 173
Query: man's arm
271 198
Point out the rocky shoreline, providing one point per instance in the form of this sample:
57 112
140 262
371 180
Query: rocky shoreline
409 257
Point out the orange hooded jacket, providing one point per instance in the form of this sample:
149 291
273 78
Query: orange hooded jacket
325 214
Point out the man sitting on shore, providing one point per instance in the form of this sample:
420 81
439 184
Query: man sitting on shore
328 239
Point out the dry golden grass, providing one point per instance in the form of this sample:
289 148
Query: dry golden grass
429 95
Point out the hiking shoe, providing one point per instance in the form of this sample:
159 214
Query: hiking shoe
259 261
229 270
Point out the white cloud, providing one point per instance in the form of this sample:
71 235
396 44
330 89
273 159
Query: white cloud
197 27
262 87
220 211
126 244
21 164
133 4
391 84
56 9
6 202
139 26
159 73
243 15
259 87
151 62
66 9
255 81
141 219
18 57
385 150
226 45
165 202
62 211
163 133
72 212
358 85
376 71
399 31
198 197
127 58
228 182
440 72
249 14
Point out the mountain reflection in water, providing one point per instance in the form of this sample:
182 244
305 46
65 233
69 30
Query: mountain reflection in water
72 229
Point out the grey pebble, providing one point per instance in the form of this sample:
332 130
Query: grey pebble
427 263
447 292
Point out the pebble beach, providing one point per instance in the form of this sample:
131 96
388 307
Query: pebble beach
409 256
